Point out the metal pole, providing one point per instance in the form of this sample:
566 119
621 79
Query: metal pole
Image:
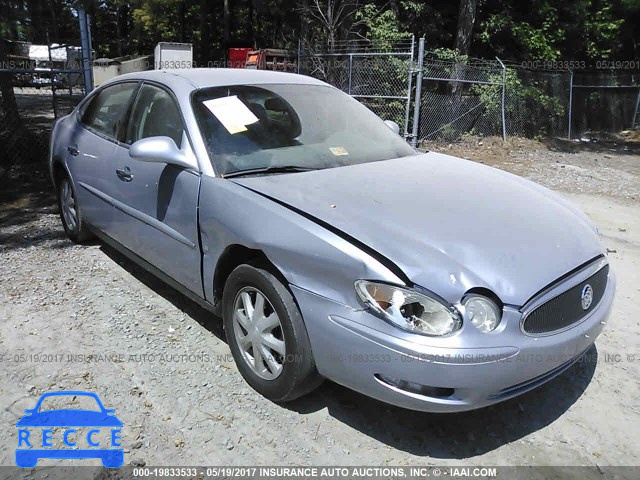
409 84
504 91
350 72
66 66
416 108
85 42
299 55
570 104
53 82
634 122
90 45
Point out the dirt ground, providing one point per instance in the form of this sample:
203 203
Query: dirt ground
84 318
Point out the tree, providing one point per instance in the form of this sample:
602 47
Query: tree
466 21
334 17
227 23
9 104
380 25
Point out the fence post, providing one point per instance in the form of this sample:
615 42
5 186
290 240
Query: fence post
570 104
53 82
504 91
409 85
416 107
350 72
85 42
634 122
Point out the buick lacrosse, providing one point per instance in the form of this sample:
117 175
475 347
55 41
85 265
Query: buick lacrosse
329 247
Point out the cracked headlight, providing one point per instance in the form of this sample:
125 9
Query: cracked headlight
409 309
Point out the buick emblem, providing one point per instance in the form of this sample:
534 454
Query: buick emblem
586 297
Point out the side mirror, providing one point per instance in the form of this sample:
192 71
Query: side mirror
393 126
159 149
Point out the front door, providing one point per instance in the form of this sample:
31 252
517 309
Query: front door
157 204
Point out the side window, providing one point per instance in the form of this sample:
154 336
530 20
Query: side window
155 114
106 111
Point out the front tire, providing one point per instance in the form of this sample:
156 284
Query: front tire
70 215
267 336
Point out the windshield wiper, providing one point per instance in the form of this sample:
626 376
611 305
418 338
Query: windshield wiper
274 169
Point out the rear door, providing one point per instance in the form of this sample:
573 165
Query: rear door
157 204
92 149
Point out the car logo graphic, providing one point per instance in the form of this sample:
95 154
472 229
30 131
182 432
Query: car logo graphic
587 296
68 420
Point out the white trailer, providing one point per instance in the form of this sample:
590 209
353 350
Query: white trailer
107 68
171 56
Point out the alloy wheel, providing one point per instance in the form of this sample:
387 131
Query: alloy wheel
258 333
68 205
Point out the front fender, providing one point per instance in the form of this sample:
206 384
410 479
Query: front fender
307 254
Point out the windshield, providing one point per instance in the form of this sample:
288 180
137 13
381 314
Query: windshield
288 127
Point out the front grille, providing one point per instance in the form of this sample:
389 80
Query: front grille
566 309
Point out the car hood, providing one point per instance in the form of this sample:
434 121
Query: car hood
449 224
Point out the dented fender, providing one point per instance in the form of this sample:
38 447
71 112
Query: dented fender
309 256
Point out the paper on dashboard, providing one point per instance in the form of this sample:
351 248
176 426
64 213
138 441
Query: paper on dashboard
232 113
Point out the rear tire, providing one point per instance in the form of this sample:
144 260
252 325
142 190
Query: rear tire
70 215
267 336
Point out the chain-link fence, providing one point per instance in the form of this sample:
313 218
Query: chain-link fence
604 102
378 75
38 83
437 96
537 102
485 98
482 98
458 98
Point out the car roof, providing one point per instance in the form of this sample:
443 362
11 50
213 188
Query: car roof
195 78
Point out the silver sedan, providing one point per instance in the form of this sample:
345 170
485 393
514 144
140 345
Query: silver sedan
329 247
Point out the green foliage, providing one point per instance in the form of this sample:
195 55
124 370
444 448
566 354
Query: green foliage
381 26
448 55
527 106
449 133
602 30
538 42
548 30
545 30
156 18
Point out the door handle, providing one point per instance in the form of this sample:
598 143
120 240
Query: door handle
73 149
124 174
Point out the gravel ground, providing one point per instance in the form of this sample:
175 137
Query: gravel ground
603 168
85 318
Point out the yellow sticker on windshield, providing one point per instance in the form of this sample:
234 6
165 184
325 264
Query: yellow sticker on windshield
338 151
